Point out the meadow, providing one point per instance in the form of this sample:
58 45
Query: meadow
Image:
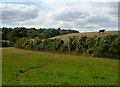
23 67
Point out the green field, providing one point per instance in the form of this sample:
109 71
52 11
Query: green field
21 67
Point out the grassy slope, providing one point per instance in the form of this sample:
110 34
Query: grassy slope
66 37
40 68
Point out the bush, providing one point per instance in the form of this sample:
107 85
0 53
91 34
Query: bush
5 44
64 48
90 51
22 43
36 43
108 46
29 46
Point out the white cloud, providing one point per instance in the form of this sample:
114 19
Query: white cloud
70 15
82 16
13 14
60 0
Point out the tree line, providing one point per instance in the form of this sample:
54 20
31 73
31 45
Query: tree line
106 46
33 33
14 34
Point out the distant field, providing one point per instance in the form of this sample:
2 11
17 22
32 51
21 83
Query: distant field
21 67
89 34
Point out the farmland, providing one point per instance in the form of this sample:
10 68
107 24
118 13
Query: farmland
23 67
89 34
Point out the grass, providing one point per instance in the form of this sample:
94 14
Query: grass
21 67
89 34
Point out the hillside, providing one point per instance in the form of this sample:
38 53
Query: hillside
66 37
22 67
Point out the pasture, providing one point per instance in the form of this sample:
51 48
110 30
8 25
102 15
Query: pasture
89 34
22 67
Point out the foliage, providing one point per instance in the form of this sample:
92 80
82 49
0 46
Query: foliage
38 44
16 34
4 44
5 33
19 32
32 33
107 46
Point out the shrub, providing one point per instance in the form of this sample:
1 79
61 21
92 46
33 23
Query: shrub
90 51
5 44
107 46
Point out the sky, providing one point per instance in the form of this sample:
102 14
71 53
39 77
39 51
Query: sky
77 15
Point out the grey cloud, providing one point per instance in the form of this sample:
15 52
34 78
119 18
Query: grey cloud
104 16
98 19
18 13
95 16
103 22
109 25
112 4
112 8
70 16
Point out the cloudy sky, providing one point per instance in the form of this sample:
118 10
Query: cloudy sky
82 16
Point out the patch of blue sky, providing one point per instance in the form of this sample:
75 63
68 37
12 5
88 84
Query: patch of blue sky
24 3
37 4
